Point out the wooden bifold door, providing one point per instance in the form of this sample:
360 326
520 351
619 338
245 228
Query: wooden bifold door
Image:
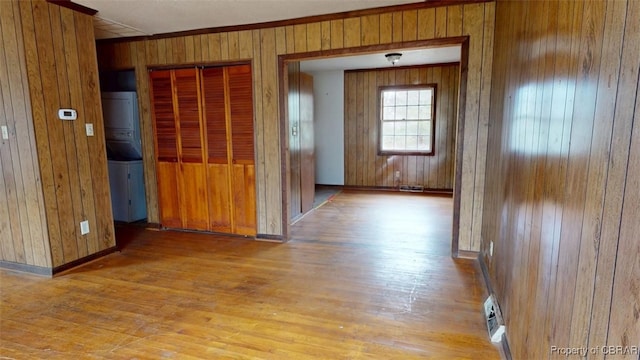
203 123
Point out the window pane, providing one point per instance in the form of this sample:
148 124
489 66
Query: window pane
401 98
387 143
401 113
412 113
399 142
424 143
388 98
401 128
389 113
388 128
425 96
424 128
413 97
424 112
412 143
412 128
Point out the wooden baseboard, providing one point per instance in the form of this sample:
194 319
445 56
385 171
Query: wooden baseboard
84 260
439 192
270 238
32 269
463 254
505 352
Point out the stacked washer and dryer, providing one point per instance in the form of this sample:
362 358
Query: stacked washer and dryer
124 151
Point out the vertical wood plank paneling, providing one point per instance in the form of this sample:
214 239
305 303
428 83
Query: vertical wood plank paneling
151 50
326 35
234 45
370 30
397 29
314 37
352 34
559 207
271 130
426 24
45 158
473 23
13 237
337 34
409 25
290 38
48 49
68 130
245 41
162 51
363 166
98 157
441 22
623 121
349 129
386 28
189 49
624 325
86 245
44 43
146 126
454 20
224 46
300 38
358 132
215 52
204 48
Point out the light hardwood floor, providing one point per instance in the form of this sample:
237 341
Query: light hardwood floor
367 275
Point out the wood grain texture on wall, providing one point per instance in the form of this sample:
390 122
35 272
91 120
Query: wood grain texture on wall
58 69
363 166
262 47
562 185
23 226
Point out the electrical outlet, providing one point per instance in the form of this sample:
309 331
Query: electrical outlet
5 132
491 249
89 128
84 227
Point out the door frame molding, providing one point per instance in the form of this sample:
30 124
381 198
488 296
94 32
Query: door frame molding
285 59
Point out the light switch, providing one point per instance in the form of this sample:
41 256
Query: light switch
84 227
5 132
89 129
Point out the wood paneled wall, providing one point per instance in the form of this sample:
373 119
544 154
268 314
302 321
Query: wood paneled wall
563 175
23 225
363 165
263 46
54 175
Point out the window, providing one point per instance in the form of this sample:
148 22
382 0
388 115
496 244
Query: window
407 120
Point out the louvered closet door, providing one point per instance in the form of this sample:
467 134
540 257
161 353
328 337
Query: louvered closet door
213 91
166 148
240 97
193 187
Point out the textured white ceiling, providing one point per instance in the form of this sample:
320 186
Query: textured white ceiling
371 61
161 16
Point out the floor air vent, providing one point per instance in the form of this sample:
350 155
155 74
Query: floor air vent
412 188
493 316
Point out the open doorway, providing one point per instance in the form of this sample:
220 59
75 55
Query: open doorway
124 145
348 153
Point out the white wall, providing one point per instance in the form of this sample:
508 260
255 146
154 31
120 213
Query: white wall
328 96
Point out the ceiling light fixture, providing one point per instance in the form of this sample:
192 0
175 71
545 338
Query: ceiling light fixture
393 58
